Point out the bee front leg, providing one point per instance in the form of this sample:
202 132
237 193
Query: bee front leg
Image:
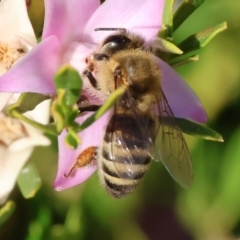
91 78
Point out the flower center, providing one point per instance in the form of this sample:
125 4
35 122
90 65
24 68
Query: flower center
10 130
9 54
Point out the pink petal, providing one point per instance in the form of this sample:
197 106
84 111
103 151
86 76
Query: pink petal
34 72
66 19
181 98
92 136
141 16
75 56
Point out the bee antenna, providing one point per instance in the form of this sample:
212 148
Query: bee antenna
110 29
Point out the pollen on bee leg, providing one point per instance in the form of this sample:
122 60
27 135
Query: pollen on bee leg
84 158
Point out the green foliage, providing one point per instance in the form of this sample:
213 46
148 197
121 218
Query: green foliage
201 39
195 42
6 211
36 16
29 181
229 176
37 228
197 130
167 20
186 8
212 204
176 64
170 47
188 47
64 115
64 108
68 79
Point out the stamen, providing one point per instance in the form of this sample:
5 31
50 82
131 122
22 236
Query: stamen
10 130
9 54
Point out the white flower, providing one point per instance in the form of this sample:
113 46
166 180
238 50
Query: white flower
16 37
17 139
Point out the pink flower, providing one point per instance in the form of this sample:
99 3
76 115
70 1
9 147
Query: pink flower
69 37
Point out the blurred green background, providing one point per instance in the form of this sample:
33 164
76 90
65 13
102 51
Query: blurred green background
159 209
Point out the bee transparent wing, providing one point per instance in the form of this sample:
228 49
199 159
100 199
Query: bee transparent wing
171 147
131 142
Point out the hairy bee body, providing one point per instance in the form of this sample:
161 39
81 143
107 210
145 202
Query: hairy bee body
124 156
137 118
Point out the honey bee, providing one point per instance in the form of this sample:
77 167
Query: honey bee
142 126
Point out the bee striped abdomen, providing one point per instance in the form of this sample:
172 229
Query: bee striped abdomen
124 156
119 184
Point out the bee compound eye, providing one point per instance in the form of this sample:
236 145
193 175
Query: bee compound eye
100 56
117 41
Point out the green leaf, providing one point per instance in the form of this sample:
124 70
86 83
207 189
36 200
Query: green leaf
59 117
229 180
200 40
68 78
59 111
168 47
6 211
72 139
176 64
197 130
27 102
72 222
64 115
104 108
36 16
167 20
29 181
37 229
186 8
72 115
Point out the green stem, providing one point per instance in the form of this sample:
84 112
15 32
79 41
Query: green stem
50 128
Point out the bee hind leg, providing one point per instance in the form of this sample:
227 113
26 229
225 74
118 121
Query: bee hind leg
87 156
